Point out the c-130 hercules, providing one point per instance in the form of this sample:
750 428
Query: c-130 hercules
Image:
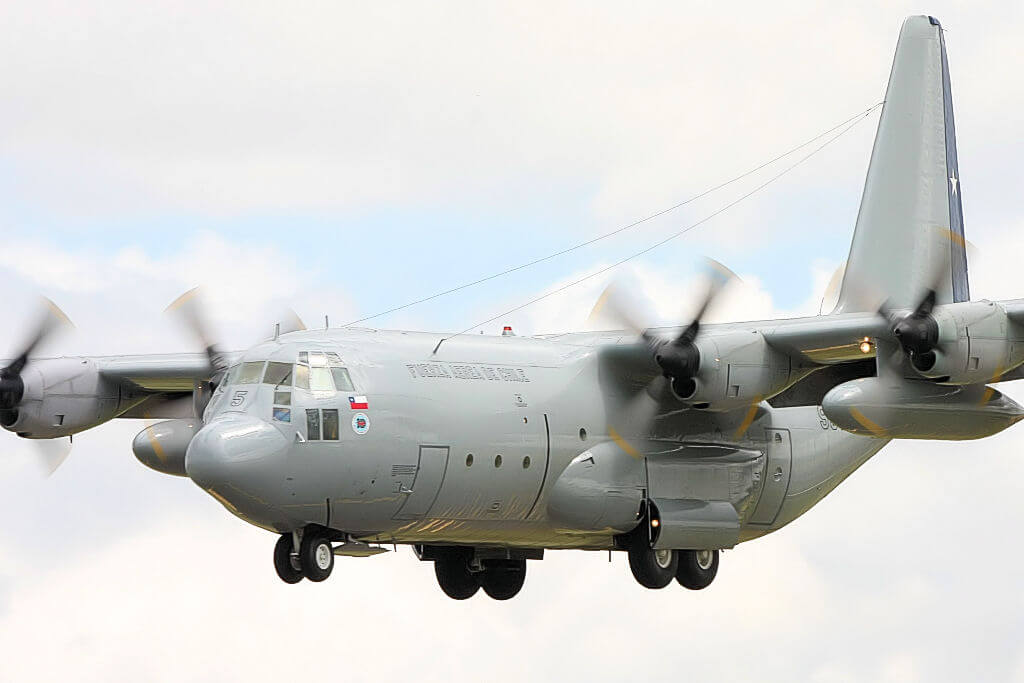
668 444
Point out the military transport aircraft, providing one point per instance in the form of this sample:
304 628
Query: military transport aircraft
669 444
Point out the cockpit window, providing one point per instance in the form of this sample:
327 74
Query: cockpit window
302 377
342 381
320 379
231 375
322 371
251 373
330 424
278 374
313 424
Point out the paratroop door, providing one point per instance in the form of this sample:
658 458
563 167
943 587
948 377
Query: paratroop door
427 482
775 478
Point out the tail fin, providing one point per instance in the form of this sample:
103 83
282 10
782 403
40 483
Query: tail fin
910 225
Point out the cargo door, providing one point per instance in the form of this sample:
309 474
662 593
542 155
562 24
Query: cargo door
425 482
775 477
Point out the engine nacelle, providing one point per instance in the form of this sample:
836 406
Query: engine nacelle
64 396
737 368
914 409
975 345
162 446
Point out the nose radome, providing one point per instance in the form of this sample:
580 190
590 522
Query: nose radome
232 448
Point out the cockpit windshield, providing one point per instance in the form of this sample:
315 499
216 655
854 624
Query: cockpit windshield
320 372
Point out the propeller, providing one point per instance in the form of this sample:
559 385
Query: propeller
52 452
677 358
917 332
189 310
12 384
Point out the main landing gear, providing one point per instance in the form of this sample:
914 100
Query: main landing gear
693 569
462 572
313 559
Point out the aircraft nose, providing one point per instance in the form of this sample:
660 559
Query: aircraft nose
231 449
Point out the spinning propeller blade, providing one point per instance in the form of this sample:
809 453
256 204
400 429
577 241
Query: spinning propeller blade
189 310
53 452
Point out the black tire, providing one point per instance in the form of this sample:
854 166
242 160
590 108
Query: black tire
286 570
454 577
697 568
503 579
316 555
652 568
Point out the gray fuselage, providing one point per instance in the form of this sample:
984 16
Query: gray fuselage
468 444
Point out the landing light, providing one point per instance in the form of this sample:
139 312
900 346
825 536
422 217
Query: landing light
865 345
655 522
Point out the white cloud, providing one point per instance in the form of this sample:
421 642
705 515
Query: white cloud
117 298
117 105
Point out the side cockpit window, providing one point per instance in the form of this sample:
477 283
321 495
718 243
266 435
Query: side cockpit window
278 374
231 375
342 381
251 373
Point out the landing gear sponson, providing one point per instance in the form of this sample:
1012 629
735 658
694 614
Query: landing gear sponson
655 568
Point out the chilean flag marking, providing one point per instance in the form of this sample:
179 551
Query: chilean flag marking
358 403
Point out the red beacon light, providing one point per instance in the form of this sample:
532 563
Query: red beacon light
507 331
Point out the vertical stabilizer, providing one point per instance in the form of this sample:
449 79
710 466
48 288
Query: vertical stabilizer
910 232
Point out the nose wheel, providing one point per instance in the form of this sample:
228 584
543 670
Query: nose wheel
285 561
313 560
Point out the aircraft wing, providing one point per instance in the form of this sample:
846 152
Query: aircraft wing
168 372
826 339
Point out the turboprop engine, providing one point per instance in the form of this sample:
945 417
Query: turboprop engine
733 369
959 344
916 409
162 446
58 397
721 371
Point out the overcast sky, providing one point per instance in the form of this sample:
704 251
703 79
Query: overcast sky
344 158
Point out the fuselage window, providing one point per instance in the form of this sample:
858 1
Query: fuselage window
251 372
312 424
278 374
330 420
283 398
282 414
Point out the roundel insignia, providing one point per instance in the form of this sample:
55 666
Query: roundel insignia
360 423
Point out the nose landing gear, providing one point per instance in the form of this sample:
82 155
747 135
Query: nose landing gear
285 561
313 559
